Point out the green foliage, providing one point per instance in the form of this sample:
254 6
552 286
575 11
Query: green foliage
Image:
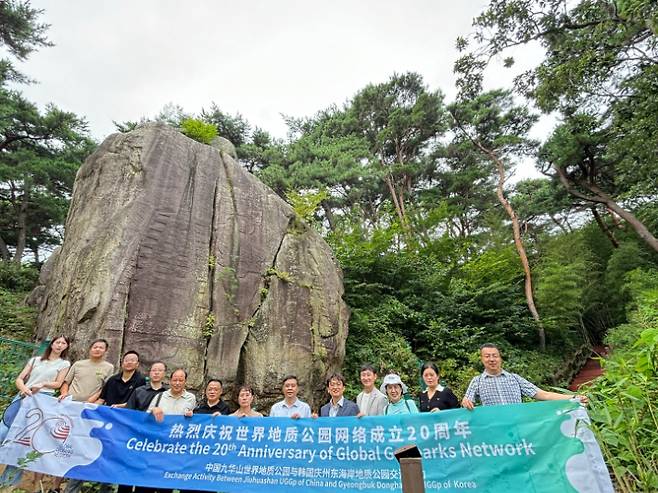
306 204
20 35
198 130
209 326
623 400
279 274
17 321
18 277
563 276
40 151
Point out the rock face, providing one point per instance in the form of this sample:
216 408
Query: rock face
175 251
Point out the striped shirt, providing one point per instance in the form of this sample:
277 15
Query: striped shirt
504 388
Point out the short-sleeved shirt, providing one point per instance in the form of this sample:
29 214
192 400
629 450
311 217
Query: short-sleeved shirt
116 391
442 399
403 406
283 410
504 388
221 407
86 377
171 404
142 397
371 404
45 371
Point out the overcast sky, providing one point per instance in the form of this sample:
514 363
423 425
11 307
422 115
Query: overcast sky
122 60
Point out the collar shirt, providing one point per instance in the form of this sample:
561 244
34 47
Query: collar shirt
333 409
171 404
283 410
117 391
373 403
504 388
142 397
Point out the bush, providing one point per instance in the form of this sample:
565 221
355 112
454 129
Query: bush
199 131
623 401
18 277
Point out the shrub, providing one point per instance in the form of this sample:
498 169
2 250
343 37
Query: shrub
199 131
623 401
15 277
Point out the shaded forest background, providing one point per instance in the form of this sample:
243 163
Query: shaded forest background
442 248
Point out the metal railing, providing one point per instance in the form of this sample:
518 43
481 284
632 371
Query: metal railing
13 356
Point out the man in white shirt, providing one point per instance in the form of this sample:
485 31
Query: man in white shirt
371 401
176 400
290 406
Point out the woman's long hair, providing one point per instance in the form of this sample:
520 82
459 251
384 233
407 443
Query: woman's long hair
49 349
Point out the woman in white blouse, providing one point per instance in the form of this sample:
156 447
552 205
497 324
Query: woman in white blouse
43 374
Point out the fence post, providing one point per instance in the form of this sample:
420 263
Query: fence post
411 469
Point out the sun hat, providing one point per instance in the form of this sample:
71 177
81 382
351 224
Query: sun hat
392 379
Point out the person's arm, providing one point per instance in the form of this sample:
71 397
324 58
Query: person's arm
95 398
468 401
544 395
64 389
22 376
451 399
55 384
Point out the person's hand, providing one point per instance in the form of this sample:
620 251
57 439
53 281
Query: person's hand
361 414
467 403
435 410
36 388
584 400
215 414
62 397
295 416
314 415
188 413
27 392
158 414
119 405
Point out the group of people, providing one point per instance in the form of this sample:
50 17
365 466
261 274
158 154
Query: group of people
93 380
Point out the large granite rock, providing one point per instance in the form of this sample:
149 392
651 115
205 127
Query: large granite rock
174 250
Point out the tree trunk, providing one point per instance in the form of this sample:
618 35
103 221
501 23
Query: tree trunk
328 213
604 227
396 203
518 242
600 197
4 251
21 225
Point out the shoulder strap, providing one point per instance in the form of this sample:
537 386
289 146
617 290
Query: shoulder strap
158 399
406 403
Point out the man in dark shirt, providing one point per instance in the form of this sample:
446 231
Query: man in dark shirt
140 400
142 396
213 403
118 388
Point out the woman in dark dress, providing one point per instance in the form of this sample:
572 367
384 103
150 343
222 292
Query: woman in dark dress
436 397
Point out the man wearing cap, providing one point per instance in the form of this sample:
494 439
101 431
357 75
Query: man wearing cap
395 390
496 386
338 405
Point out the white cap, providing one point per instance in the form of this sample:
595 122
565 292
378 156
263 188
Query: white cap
392 379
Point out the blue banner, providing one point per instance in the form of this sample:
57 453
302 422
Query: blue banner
537 447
